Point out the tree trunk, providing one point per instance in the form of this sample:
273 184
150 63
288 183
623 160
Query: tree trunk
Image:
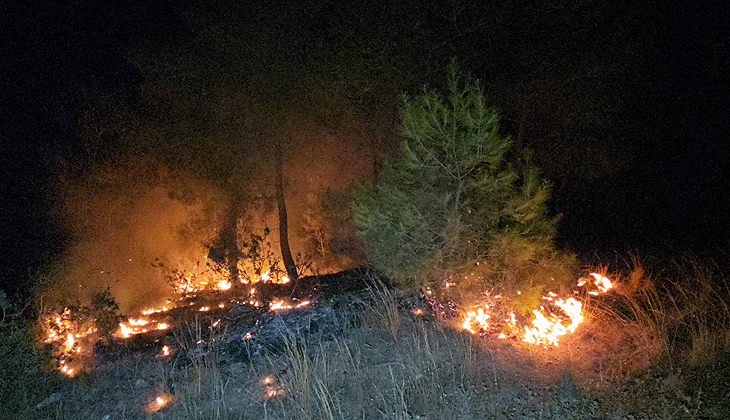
229 239
291 268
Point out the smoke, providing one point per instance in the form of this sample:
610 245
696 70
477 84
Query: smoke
129 217
126 219
319 161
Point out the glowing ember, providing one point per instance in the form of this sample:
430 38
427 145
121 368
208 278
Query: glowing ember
204 308
165 351
247 336
224 285
270 390
67 371
151 311
158 403
280 305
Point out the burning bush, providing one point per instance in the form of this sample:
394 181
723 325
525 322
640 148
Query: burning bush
459 207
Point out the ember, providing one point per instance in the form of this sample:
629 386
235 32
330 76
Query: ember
69 328
270 389
279 305
158 403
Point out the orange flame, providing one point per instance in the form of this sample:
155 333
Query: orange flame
280 305
546 327
602 283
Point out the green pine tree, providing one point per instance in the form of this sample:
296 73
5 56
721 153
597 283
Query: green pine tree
458 197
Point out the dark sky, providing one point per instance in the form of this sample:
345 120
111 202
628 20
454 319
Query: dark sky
662 65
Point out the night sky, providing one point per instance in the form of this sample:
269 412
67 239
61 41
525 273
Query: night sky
625 107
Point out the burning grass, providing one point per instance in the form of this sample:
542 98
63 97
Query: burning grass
644 348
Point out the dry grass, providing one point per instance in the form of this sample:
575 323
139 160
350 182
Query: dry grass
201 390
658 349
667 340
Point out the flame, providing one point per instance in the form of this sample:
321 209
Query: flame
280 305
135 326
479 317
151 311
546 326
602 283
69 329
268 278
69 342
67 370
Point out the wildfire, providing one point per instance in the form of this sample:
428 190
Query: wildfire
602 283
551 321
69 329
151 311
267 278
135 326
280 305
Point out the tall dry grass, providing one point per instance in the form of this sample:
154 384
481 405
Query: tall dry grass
668 328
660 344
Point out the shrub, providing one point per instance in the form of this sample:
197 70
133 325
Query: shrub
25 375
459 203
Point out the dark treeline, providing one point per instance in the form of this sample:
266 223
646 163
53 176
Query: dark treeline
623 106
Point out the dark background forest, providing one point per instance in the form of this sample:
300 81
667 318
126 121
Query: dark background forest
625 105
